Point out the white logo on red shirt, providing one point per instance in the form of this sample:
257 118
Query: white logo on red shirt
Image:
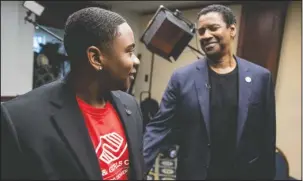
113 147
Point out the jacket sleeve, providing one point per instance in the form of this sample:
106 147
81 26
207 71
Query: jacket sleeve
12 163
140 128
269 145
160 127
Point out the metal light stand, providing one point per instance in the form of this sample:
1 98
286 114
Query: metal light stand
28 14
27 18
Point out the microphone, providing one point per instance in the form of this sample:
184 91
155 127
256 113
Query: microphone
207 86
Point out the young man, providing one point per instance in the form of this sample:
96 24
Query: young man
82 127
221 109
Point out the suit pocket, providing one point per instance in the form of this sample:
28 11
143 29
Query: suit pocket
255 109
255 100
253 160
255 104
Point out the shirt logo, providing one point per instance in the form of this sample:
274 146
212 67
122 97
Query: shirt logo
113 146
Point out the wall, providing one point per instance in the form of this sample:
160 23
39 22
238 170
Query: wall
162 68
16 50
17 36
288 90
133 21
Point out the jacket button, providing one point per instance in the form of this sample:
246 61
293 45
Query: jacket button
208 145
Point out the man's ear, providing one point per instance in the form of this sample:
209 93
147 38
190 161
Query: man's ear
233 31
95 57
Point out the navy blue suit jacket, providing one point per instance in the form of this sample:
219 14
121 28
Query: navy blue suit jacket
184 115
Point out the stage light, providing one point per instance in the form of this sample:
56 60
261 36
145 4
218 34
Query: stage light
168 33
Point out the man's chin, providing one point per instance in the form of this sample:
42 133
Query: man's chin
124 87
120 88
213 55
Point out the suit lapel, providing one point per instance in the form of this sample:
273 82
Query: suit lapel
130 126
70 124
202 88
245 85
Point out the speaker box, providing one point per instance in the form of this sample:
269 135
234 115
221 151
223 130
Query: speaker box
167 34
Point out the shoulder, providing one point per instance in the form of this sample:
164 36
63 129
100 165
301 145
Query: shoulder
262 76
30 110
255 68
126 99
188 69
186 73
32 99
123 96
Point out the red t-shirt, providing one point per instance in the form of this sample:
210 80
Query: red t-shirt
108 137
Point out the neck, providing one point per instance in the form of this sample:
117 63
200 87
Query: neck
88 89
224 64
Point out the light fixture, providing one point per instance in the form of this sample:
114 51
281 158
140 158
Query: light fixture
37 9
34 7
168 33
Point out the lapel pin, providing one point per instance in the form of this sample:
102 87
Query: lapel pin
248 79
128 112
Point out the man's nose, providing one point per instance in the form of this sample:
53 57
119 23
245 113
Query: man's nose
206 35
135 60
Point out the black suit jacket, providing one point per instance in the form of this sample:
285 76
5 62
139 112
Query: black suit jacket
184 115
43 135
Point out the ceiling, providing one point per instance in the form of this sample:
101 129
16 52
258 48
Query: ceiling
146 7
56 12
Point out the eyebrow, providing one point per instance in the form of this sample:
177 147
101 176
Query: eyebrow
213 24
210 25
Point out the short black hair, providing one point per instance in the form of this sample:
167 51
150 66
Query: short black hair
92 26
228 16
